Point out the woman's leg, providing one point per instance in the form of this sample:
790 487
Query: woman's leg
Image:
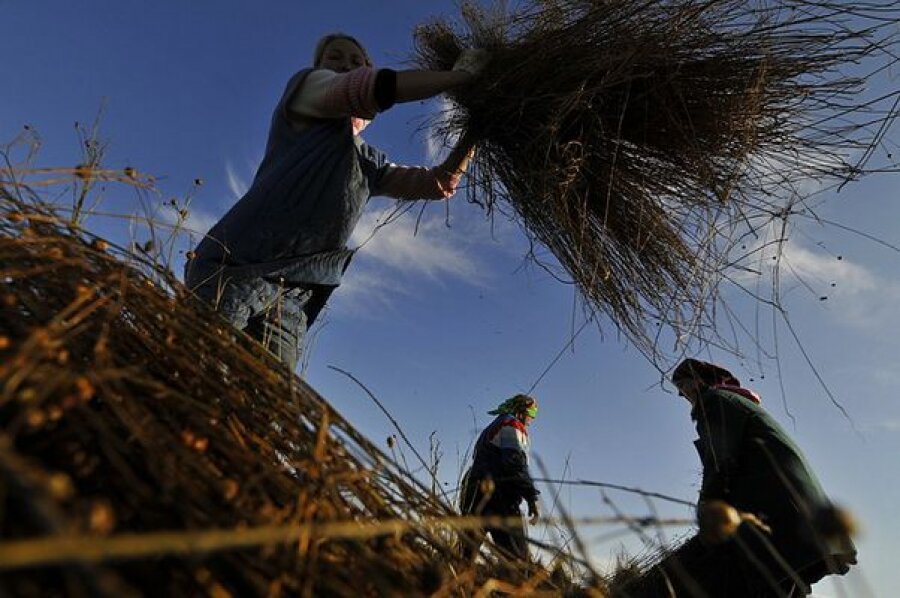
510 539
281 325
470 503
269 312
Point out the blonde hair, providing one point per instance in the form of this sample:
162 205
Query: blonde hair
319 52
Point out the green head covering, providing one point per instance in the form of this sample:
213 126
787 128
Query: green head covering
517 405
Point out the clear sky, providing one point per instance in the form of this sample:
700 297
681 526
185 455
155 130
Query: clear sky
444 324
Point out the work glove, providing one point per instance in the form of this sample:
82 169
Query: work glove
534 512
472 61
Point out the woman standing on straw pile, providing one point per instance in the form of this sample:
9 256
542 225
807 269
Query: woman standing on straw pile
498 479
766 526
270 264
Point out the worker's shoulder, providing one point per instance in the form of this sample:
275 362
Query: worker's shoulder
511 421
733 399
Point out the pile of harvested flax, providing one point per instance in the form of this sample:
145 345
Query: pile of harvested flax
146 448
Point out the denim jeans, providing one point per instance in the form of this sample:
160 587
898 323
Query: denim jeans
275 315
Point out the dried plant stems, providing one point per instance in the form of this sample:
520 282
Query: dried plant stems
634 138
59 549
139 426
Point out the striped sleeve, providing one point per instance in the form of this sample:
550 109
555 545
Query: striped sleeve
326 94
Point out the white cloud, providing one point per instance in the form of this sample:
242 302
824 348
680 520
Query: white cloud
433 250
885 374
238 183
237 179
891 425
851 293
366 292
394 254
825 268
858 298
197 222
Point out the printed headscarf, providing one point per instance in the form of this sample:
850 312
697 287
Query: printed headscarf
713 376
517 405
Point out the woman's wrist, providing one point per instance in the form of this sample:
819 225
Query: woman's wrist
460 156
419 85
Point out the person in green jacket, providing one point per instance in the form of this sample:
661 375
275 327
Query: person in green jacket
766 526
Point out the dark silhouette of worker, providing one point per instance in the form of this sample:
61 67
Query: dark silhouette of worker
498 480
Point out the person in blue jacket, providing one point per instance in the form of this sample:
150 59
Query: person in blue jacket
269 265
766 526
498 480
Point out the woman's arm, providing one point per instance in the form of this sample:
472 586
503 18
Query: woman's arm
327 94
365 91
721 425
457 161
419 85
417 182
512 471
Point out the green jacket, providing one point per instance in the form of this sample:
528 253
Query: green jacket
750 462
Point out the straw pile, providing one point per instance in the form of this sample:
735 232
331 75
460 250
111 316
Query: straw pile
146 449
631 138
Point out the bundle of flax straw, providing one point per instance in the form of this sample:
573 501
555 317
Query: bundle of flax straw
631 137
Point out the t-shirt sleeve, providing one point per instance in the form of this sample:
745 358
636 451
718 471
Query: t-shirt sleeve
327 94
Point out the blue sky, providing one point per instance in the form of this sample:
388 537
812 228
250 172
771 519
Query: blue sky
446 323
